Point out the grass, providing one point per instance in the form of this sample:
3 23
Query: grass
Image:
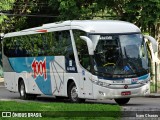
152 88
69 110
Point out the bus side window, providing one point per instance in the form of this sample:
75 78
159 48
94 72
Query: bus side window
63 44
63 47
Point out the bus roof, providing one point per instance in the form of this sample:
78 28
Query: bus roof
91 26
105 26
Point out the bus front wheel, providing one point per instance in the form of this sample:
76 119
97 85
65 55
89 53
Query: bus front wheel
73 94
122 101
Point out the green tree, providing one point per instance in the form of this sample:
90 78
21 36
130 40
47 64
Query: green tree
32 13
5 5
144 13
81 9
21 8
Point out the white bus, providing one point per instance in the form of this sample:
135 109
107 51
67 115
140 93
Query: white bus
80 60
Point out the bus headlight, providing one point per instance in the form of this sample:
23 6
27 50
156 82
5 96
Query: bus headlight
103 84
143 81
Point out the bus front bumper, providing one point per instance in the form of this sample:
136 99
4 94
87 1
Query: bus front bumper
107 93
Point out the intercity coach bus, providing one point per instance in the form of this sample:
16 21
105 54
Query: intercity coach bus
79 59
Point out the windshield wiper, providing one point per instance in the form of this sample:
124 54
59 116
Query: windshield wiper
103 72
125 52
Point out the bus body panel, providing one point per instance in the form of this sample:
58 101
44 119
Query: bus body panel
73 77
35 31
30 83
40 70
86 84
92 26
9 81
104 26
35 80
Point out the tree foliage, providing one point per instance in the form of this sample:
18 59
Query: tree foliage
5 5
144 13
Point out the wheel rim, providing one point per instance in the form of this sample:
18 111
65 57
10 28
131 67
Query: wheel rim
74 93
22 90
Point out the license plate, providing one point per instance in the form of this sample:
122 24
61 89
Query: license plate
118 81
126 93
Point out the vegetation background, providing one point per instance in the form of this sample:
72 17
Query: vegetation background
22 14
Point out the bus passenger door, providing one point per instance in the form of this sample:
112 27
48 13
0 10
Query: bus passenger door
83 61
86 76
86 84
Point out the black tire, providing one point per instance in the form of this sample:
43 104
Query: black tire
73 94
32 96
23 94
122 101
22 91
61 98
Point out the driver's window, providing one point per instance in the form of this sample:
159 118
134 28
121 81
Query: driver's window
82 49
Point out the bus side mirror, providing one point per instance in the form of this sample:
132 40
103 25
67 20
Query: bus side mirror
1 36
153 41
89 44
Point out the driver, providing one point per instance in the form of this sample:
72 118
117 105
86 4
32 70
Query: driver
111 54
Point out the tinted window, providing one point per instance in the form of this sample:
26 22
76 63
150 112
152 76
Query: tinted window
47 44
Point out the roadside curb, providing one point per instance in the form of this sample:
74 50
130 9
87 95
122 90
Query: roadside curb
153 95
1 81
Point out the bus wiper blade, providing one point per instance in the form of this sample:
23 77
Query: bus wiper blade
125 52
142 72
103 72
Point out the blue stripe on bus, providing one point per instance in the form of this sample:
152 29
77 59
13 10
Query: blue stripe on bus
38 67
144 77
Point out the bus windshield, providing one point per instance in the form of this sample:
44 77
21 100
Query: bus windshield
120 56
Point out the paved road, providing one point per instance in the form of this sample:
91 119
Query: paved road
5 94
135 104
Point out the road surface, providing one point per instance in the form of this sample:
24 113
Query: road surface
135 104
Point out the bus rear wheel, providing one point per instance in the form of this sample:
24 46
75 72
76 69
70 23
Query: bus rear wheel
22 91
122 101
73 94
23 94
